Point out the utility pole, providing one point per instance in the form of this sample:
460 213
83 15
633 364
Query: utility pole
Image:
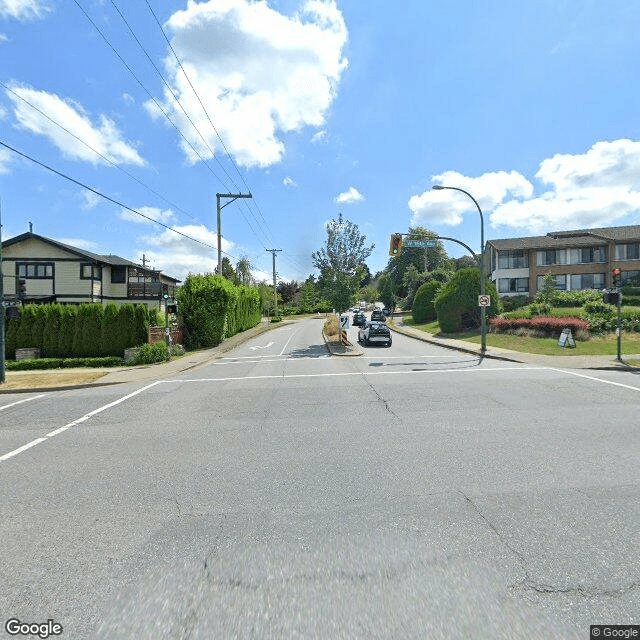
233 196
275 293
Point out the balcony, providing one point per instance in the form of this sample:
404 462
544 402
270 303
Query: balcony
145 290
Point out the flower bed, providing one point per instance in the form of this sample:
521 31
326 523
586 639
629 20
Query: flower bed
541 324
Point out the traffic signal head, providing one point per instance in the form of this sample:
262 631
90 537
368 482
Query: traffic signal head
172 308
22 288
395 246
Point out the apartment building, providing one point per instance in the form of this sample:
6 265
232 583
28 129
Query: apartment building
581 259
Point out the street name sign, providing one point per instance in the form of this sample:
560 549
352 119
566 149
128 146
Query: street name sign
420 244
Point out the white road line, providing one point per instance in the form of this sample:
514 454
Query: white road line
13 404
80 420
24 447
288 341
355 373
582 375
275 359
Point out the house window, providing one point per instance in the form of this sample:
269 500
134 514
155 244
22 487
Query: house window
628 251
513 285
90 272
512 260
36 270
118 274
587 281
627 276
561 282
555 256
586 255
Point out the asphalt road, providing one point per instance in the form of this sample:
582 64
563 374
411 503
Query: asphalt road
412 492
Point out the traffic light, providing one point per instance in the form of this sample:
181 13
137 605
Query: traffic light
395 246
611 297
22 288
172 308
616 272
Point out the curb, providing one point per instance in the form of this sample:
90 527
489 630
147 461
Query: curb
222 348
357 351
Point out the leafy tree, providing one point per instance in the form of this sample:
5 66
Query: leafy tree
228 271
548 289
287 290
427 259
457 301
340 262
369 293
243 271
464 262
423 309
386 291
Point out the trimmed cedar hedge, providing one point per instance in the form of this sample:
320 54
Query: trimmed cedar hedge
544 324
211 308
88 330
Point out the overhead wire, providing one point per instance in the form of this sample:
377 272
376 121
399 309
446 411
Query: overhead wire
109 198
105 158
206 112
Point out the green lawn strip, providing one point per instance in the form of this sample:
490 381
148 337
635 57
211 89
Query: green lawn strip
595 346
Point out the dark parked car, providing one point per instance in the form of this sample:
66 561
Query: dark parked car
386 311
359 319
377 314
374 332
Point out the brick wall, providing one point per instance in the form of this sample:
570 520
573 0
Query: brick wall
158 333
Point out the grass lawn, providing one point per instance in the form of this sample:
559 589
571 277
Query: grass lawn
595 346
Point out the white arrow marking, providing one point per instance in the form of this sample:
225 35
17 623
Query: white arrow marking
266 346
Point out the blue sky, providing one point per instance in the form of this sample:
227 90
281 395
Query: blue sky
317 108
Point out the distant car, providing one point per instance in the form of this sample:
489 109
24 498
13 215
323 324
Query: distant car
377 314
359 319
374 332
386 311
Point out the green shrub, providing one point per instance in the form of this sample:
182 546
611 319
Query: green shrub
141 322
51 333
456 303
110 331
599 307
276 318
512 303
23 333
539 309
91 330
150 353
10 337
57 363
67 329
422 309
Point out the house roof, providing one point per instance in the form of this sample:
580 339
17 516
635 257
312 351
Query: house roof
109 260
575 238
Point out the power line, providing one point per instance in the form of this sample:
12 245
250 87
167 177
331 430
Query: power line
207 114
105 158
106 197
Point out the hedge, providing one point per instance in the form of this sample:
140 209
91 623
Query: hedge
543 324
211 308
89 330
422 309
61 363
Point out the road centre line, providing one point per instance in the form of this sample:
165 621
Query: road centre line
275 359
288 341
13 404
80 420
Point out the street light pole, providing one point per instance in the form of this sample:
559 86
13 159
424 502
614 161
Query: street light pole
483 312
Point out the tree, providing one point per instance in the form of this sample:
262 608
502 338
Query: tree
228 271
423 309
287 290
340 262
243 272
427 259
464 262
386 291
548 289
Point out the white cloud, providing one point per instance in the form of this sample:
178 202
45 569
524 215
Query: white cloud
3 38
593 189
259 72
151 212
176 255
90 200
23 9
289 182
129 99
5 159
447 206
103 137
347 197
318 137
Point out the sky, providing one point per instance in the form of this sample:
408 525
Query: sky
146 109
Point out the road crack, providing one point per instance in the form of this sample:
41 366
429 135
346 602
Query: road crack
381 399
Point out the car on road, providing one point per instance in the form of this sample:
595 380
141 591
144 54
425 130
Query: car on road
359 319
377 315
374 332
386 311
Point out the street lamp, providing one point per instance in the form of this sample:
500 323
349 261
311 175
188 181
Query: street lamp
483 313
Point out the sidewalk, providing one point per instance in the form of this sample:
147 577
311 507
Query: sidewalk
562 362
28 381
